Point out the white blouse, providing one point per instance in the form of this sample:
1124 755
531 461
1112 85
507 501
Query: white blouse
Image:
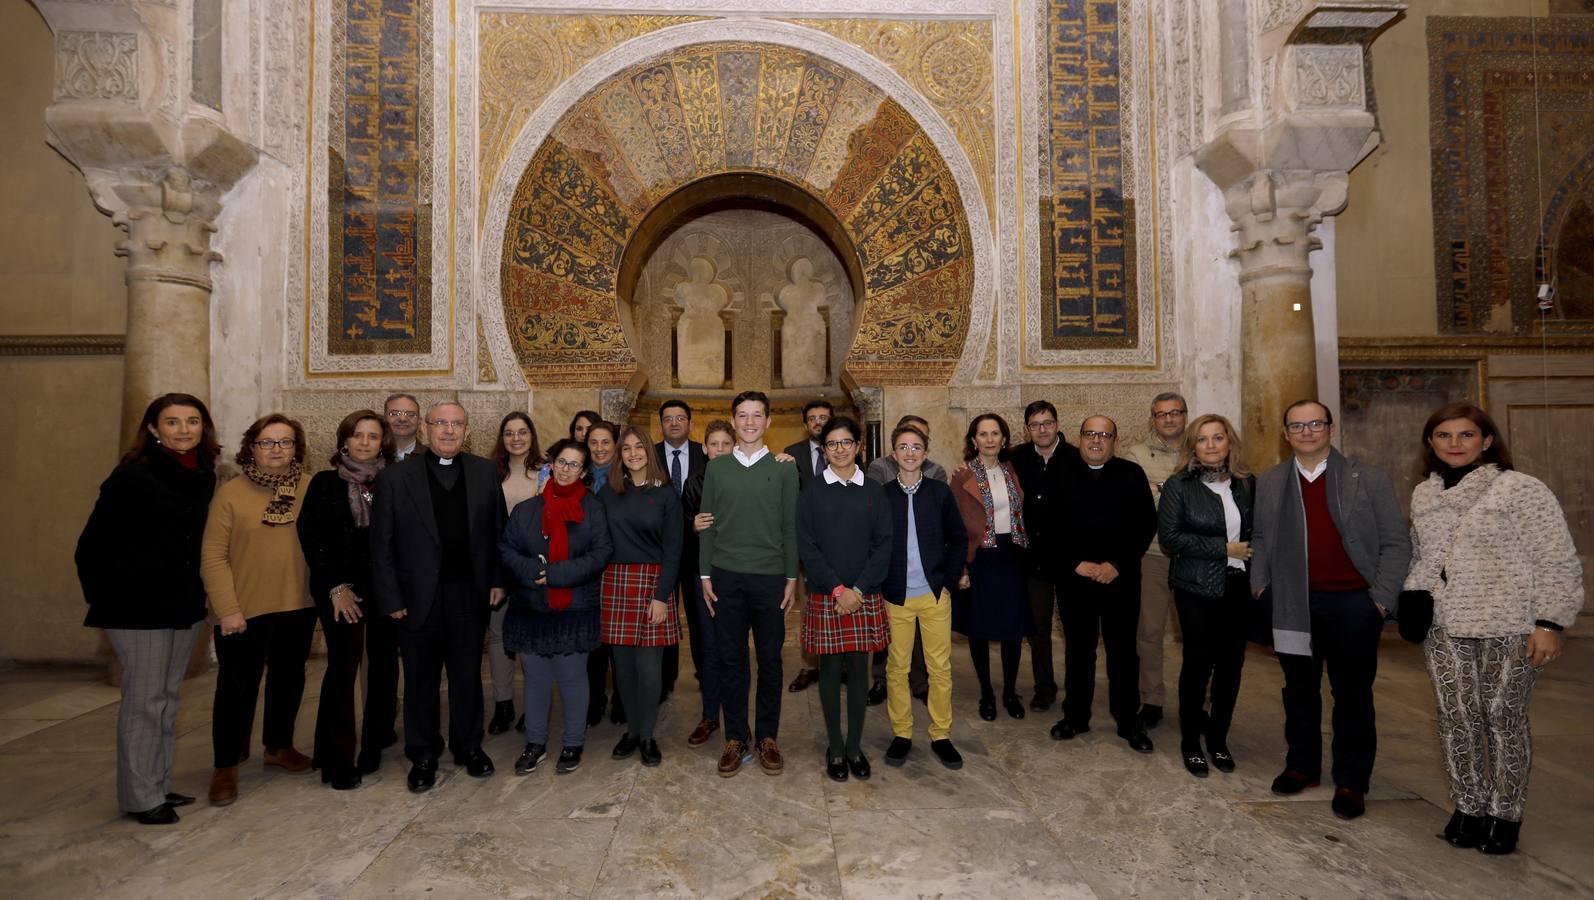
1231 515
1002 507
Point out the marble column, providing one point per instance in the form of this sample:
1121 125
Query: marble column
1274 214
168 253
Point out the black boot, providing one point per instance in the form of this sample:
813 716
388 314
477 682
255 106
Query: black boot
503 717
1501 837
1464 830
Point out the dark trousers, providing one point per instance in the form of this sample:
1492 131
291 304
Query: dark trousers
704 638
1214 652
1346 626
749 603
276 644
334 721
1044 608
600 662
450 639
1111 612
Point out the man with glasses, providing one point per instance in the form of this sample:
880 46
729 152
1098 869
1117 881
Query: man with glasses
747 566
403 413
1158 456
1329 550
434 566
681 458
1110 522
1039 463
811 464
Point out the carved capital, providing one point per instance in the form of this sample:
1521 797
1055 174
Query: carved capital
615 404
1274 214
168 225
870 401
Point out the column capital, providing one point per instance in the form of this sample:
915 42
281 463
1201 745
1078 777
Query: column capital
168 225
1274 213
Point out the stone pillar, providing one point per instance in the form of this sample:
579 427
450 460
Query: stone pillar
1274 214
168 291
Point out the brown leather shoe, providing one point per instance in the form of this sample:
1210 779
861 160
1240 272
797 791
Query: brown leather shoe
701 733
224 786
287 758
731 758
769 757
805 677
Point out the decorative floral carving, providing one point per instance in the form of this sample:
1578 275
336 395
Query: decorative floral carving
1329 77
1274 13
96 65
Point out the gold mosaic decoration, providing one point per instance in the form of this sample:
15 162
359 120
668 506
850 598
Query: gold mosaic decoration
717 108
524 57
949 62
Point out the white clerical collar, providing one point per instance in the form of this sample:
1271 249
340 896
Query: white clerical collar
1311 474
1097 468
747 460
832 478
445 460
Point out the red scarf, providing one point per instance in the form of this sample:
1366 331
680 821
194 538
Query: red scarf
561 508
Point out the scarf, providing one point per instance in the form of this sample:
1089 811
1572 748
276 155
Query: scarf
284 491
1452 475
1208 473
188 459
1015 503
561 508
359 476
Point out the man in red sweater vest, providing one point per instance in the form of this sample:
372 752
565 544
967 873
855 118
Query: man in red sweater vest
1331 548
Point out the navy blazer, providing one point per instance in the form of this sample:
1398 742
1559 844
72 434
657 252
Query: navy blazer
943 540
523 542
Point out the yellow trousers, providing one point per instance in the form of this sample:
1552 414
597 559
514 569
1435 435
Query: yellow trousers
934 619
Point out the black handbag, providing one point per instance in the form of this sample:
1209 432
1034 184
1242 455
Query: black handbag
1415 615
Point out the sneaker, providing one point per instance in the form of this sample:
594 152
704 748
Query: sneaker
731 759
897 753
530 759
947 754
569 761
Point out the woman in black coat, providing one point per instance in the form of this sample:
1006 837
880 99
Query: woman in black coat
334 523
554 550
138 561
1204 526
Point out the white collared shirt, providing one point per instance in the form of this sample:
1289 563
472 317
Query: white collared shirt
1315 471
402 452
746 460
832 478
685 455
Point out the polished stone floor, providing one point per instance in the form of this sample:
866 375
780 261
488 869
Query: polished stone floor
1026 817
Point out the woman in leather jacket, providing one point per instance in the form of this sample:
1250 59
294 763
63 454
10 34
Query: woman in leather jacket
1204 526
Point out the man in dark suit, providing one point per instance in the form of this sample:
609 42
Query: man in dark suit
1109 522
810 456
435 523
1039 464
682 458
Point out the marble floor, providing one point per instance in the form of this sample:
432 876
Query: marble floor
1026 817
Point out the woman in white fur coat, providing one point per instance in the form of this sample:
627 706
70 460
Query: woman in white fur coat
1492 554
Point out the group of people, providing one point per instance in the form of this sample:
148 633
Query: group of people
578 563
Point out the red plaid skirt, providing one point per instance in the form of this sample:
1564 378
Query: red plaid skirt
828 631
628 588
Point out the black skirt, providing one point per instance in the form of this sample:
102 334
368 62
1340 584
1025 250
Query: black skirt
996 604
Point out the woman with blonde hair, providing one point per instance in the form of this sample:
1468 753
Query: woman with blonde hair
1204 526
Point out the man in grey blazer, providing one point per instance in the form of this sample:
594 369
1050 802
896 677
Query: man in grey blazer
1330 549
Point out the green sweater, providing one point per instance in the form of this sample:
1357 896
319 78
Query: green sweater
755 517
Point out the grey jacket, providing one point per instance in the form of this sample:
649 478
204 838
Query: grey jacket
1362 502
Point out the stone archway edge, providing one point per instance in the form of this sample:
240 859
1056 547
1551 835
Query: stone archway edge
490 301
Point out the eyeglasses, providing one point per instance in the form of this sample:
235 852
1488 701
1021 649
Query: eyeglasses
569 465
285 443
1169 414
454 424
1104 435
675 420
816 418
1314 426
843 444
1042 424
403 414
517 434
910 448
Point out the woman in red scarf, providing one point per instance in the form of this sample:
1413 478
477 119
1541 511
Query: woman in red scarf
555 548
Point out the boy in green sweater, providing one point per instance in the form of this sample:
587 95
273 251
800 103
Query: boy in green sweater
748 561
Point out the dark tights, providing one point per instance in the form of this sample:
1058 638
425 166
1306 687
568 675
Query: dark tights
980 650
830 671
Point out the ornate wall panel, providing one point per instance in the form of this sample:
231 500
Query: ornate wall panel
1510 117
709 109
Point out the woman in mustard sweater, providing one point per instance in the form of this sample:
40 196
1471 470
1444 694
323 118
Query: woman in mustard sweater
255 574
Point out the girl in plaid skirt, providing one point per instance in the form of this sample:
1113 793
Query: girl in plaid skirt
844 539
639 615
